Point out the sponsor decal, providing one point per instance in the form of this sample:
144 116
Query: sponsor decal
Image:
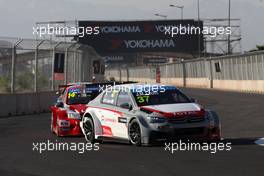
162 43
161 28
188 113
119 29
122 120
105 119
110 110
63 123
107 131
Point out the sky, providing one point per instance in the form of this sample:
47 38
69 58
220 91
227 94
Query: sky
17 17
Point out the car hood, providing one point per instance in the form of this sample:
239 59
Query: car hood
170 108
176 110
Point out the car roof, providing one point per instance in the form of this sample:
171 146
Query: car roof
101 83
79 83
133 86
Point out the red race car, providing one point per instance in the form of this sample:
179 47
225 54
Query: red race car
70 106
72 102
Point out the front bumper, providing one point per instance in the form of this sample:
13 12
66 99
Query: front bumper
196 131
193 134
73 129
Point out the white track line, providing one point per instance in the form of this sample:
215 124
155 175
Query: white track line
260 142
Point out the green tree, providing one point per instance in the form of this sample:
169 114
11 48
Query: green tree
260 47
24 81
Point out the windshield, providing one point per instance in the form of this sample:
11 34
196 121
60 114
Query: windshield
81 95
160 97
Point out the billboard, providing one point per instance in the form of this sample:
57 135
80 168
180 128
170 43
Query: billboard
141 36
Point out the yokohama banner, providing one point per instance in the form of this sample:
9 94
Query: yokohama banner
142 36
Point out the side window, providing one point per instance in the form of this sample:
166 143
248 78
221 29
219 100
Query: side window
110 97
123 97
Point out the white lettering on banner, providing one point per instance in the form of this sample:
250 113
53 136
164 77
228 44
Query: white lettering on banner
161 28
149 43
119 29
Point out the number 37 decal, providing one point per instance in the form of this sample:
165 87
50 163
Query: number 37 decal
143 98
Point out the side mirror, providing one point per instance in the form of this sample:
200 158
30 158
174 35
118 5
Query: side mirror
59 104
193 100
126 106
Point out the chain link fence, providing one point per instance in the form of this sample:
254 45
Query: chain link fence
27 65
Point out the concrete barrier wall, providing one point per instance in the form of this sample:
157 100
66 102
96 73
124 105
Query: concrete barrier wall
256 86
198 82
143 80
26 103
173 81
8 104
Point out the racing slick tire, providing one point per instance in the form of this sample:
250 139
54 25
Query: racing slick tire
215 131
134 133
88 127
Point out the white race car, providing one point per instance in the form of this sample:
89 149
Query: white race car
142 114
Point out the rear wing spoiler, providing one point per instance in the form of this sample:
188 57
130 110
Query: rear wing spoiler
110 83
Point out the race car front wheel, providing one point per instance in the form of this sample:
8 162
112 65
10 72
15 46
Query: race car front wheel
134 133
89 130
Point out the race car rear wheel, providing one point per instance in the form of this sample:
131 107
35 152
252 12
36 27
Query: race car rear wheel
134 133
214 134
88 128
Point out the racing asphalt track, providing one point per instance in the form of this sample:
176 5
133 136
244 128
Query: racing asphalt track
242 118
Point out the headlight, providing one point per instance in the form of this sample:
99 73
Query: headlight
74 115
156 119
